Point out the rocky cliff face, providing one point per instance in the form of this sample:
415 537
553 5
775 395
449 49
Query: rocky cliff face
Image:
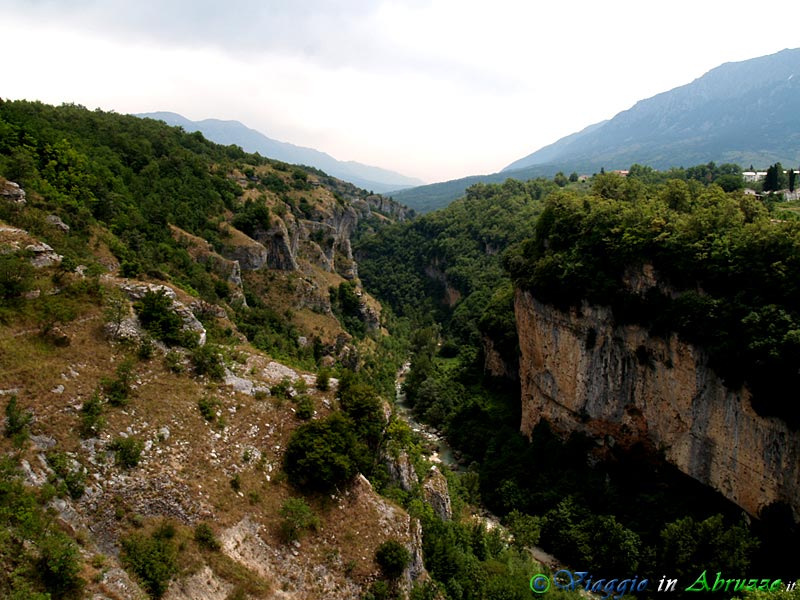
581 371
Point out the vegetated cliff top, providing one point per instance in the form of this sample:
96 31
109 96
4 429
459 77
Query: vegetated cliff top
720 263
165 303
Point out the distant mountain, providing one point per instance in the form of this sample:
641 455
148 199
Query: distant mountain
744 112
233 132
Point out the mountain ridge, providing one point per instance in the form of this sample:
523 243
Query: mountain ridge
229 132
745 112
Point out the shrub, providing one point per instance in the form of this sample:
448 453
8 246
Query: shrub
128 451
92 420
59 566
205 538
305 408
206 361
73 477
161 321
146 348
393 558
173 361
208 408
297 519
16 275
17 420
323 454
324 380
119 390
282 389
153 559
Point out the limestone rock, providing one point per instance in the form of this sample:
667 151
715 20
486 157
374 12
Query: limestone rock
281 247
137 291
249 254
401 471
438 494
42 255
56 222
581 371
12 192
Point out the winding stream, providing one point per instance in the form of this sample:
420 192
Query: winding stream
442 454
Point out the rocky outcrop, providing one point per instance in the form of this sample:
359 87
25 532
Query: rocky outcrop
12 192
249 254
581 371
137 291
39 254
401 472
281 246
437 494
494 363
375 203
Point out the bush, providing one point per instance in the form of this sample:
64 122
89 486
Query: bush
161 321
16 275
208 408
153 559
73 478
119 390
92 420
128 451
173 361
323 380
59 566
393 558
205 538
305 407
297 519
17 420
324 454
282 389
206 361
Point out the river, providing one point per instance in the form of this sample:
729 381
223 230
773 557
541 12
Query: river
441 453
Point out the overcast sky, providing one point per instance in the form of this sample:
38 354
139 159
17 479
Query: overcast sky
435 89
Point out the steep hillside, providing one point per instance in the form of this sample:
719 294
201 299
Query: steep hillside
234 132
171 315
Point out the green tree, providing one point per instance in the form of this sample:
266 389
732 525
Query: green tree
775 178
160 320
152 558
17 419
689 546
393 558
128 451
324 454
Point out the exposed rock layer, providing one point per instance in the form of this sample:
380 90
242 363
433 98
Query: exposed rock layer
581 371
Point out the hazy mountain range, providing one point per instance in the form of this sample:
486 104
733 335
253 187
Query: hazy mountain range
233 132
744 112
